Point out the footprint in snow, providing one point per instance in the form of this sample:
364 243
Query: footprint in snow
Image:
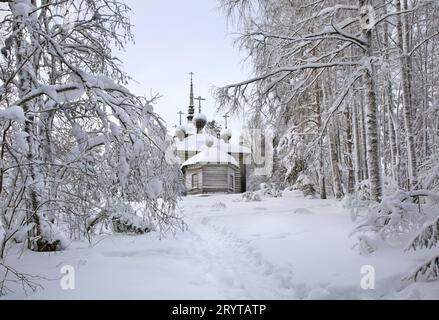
302 211
219 205
281 236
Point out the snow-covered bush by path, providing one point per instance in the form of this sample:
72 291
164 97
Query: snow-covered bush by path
270 190
251 196
267 190
402 214
125 219
305 184
52 239
427 238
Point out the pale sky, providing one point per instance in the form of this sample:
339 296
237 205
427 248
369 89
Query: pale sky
176 37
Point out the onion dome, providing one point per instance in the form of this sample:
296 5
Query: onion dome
209 142
200 121
180 132
226 135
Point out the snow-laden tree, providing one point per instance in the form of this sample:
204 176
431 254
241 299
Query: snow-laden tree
77 148
328 69
350 89
297 43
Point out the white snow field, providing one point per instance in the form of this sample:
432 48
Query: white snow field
283 248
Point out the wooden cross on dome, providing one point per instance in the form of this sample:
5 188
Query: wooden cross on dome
199 102
226 117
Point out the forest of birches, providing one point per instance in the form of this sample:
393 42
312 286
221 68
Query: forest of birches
348 88
350 91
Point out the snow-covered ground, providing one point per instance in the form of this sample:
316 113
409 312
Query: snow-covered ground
283 248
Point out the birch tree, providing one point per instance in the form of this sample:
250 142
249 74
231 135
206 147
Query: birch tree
369 71
78 148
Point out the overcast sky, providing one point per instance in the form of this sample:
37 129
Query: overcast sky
176 37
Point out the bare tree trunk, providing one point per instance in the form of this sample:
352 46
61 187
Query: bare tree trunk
357 145
365 171
321 172
372 150
25 85
333 148
336 177
349 149
403 43
390 106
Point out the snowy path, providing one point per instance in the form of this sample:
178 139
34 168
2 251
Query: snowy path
288 248
243 273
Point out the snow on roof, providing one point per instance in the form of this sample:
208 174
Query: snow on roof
211 155
196 142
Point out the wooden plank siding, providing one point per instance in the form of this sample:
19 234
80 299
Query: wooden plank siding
189 172
214 178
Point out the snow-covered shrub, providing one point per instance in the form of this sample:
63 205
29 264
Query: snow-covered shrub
129 224
427 238
219 205
396 215
52 239
270 190
305 184
362 190
403 213
126 220
251 196
427 271
429 173
13 277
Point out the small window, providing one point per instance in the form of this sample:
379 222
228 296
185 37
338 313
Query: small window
232 182
195 181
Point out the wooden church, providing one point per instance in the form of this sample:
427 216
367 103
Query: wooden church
210 164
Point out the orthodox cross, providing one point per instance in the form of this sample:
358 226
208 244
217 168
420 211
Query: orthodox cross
181 113
226 117
199 102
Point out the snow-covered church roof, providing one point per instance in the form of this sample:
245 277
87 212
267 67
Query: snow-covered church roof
197 142
211 155
193 137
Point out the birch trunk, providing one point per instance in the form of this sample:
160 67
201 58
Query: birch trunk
372 149
357 146
349 150
403 44
321 170
333 149
26 83
336 177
